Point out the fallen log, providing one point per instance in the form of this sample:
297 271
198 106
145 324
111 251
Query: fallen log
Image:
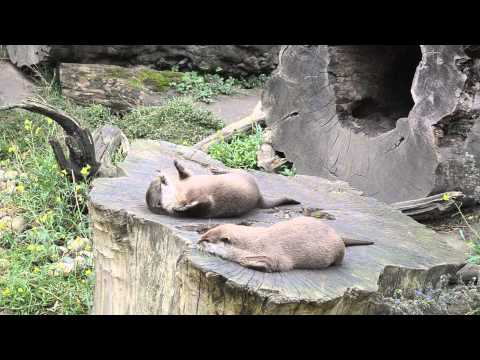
84 150
256 117
149 264
397 122
430 207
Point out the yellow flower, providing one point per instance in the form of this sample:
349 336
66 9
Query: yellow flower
36 270
85 170
20 290
58 199
3 226
78 188
63 172
49 121
38 131
88 272
20 188
6 292
27 125
446 197
12 149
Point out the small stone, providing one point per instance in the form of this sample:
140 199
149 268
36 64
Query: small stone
18 224
4 265
10 175
78 244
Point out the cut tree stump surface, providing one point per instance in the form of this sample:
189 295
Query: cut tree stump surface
149 264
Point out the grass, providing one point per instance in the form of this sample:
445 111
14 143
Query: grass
206 87
55 211
240 152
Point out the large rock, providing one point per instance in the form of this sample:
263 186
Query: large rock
149 264
116 87
233 59
398 122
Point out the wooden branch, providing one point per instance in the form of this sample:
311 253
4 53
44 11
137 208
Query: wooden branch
83 148
429 207
256 117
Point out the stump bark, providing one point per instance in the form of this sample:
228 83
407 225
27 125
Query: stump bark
398 122
149 264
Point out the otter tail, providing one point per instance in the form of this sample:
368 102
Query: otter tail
352 242
270 203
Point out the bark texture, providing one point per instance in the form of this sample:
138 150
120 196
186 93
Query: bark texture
233 59
398 122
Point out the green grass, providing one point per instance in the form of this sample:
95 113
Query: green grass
55 211
240 152
206 87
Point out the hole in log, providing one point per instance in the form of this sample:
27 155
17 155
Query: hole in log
372 85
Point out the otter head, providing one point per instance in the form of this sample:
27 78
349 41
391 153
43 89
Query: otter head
221 233
158 195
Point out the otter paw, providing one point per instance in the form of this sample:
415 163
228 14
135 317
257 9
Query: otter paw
260 263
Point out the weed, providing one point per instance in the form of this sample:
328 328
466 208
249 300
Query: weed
241 151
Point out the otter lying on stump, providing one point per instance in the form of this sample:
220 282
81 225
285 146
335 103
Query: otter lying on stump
301 243
223 194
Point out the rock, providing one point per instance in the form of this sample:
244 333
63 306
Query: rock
469 273
78 244
116 87
9 175
397 122
18 224
4 266
233 59
150 264
15 87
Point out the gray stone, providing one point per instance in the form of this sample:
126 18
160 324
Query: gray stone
150 264
233 59
18 224
397 122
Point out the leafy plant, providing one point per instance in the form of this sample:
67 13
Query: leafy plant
54 210
287 170
240 152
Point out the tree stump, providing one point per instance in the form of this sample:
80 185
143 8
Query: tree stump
398 122
149 264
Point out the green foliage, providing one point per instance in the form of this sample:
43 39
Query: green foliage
204 87
240 152
178 121
252 81
287 170
55 211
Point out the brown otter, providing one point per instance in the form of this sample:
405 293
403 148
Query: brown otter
300 243
223 194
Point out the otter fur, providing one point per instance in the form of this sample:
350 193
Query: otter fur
221 195
300 243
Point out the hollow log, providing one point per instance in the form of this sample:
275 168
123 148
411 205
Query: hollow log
398 122
149 264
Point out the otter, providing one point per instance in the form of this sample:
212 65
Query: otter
300 243
223 194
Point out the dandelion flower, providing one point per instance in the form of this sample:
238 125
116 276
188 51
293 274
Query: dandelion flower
49 121
63 172
20 290
446 197
12 149
20 188
88 272
85 170
6 292
36 270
